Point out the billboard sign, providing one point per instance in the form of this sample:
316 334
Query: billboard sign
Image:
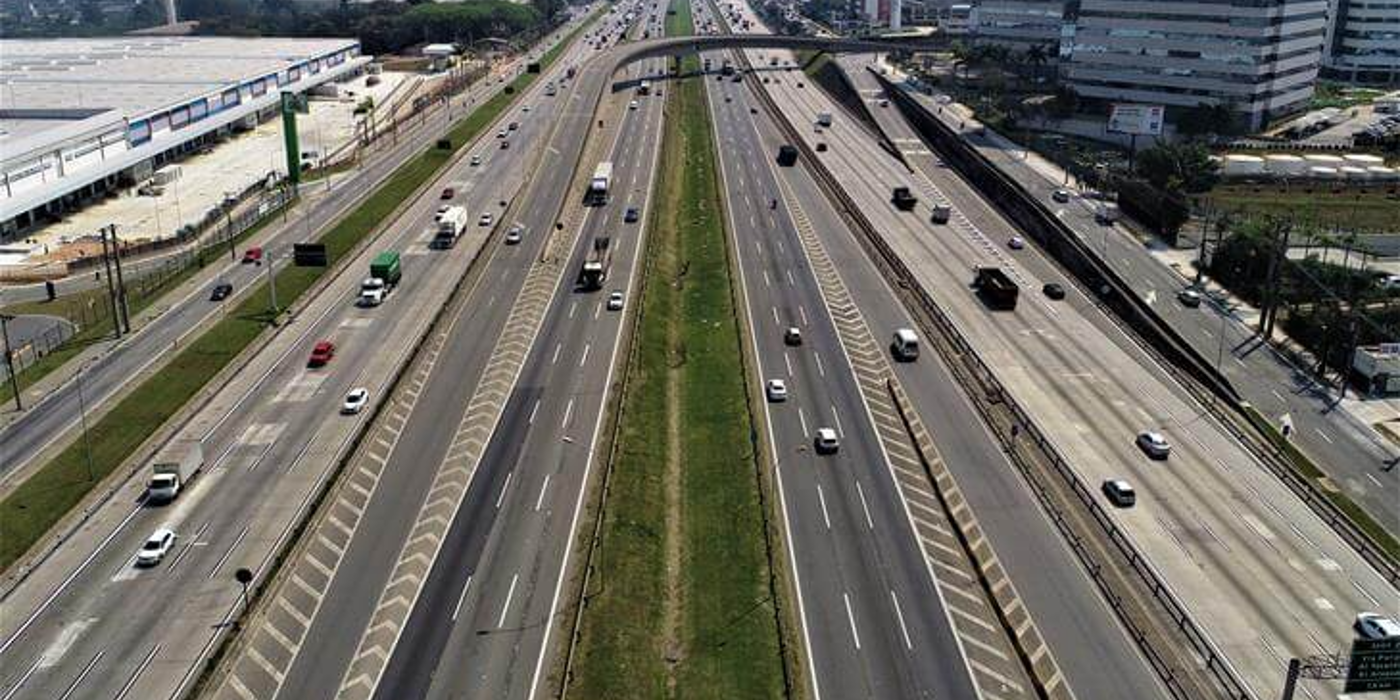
1136 119
1375 666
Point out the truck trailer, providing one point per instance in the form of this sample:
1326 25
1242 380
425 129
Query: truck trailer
595 267
996 288
904 200
598 186
172 468
450 226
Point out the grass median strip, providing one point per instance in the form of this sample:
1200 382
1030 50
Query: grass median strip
53 490
680 603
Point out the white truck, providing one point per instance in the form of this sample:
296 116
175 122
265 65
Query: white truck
598 186
172 468
450 226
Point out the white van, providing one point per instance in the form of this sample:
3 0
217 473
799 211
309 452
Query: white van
905 346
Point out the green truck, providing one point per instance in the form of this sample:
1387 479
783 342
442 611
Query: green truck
384 273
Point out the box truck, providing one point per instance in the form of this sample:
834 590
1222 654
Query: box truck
450 226
598 185
172 468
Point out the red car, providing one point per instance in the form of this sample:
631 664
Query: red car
321 354
253 254
448 193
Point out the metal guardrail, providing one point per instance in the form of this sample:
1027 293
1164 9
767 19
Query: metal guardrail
987 384
1032 217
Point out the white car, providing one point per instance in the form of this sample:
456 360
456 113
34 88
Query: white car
476 159
485 219
826 441
501 134
615 301
526 108
515 234
355 401
1154 444
1016 243
777 390
792 336
632 105
156 547
1374 626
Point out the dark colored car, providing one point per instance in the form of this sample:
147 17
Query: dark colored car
1053 290
631 215
221 291
321 354
448 193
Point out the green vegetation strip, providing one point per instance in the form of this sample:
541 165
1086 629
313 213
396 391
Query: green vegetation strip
680 603
42 500
1304 466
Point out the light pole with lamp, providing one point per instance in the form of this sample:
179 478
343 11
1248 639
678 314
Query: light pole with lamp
82 416
10 358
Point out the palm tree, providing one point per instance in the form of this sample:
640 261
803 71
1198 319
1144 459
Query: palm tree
1037 56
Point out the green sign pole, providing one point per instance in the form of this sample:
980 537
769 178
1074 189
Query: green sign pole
289 136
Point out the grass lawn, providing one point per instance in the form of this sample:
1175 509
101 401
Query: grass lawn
36 505
1358 210
680 604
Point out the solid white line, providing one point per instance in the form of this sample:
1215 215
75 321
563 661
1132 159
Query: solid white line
803 419
543 487
504 486
509 594
22 679
851 617
228 553
533 411
462 597
822 498
59 591
78 681
568 412
584 358
864 506
908 643
139 670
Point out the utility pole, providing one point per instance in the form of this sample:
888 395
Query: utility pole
10 358
111 283
121 282
272 286
82 417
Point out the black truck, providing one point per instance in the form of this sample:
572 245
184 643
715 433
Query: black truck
903 199
997 289
787 155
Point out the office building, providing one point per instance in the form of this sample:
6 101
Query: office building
1019 24
1260 57
1363 41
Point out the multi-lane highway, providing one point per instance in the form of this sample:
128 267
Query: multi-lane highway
53 418
500 563
1264 576
89 622
1352 454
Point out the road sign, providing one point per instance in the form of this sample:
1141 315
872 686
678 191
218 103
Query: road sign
1375 666
1136 119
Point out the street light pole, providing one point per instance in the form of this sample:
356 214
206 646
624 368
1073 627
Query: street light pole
82 418
10 358
272 285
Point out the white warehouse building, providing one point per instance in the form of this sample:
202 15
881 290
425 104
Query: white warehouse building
80 117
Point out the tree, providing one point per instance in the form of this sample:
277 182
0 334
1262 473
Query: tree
1203 119
1179 167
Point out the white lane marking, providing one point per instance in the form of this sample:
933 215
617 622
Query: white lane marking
66 582
802 311
908 643
836 417
509 594
543 488
1375 481
533 411
787 361
765 279
802 417
864 506
557 348
597 310
568 412
584 358
79 680
227 554
1324 435
822 499
775 316
1278 396
820 370
20 684
189 546
504 487
462 597
851 617
141 668
791 282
